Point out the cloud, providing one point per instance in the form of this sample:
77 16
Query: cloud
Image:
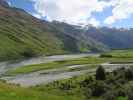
70 11
36 15
80 11
122 9
94 22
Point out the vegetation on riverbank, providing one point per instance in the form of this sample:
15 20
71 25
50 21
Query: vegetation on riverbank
128 53
117 85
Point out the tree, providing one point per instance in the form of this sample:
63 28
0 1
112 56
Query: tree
100 73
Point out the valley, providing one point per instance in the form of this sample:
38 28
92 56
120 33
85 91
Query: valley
55 60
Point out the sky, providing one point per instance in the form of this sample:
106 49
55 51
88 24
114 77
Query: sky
111 13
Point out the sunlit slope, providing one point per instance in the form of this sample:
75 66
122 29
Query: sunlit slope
22 35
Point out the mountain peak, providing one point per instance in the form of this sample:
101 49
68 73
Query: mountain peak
4 3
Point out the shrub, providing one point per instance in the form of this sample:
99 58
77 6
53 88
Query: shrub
86 82
106 56
121 92
129 91
98 88
66 86
129 74
130 96
110 95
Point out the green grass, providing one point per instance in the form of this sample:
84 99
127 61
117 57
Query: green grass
19 40
12 92
122 98
119 54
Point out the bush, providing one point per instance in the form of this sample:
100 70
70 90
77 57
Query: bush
121 92
129 91
110 95
86 82
130 96
66 86
28 53
129 74
98 88
106 56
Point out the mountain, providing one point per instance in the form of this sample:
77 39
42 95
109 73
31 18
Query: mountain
22 35
78 33
112 37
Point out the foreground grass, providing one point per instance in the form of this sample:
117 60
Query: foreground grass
48 92
12 92
64 64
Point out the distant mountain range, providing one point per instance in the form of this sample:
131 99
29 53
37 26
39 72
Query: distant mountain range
111 37
22 35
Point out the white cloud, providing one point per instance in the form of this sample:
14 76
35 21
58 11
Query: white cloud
70 11
80 11
122 9
94 22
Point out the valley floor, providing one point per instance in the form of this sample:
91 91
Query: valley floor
34 75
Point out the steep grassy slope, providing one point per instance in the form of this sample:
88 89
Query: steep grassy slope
22 35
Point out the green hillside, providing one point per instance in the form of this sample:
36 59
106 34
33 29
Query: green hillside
22 35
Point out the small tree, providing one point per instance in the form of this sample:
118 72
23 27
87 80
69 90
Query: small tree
100 73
